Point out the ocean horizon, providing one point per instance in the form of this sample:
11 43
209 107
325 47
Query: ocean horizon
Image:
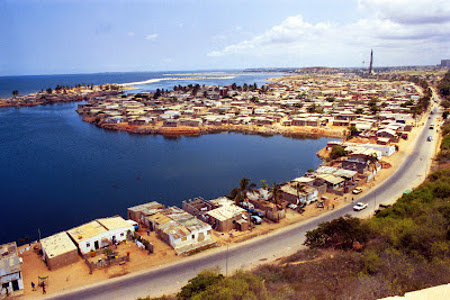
27 84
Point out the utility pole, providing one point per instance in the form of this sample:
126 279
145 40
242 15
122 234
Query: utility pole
226 263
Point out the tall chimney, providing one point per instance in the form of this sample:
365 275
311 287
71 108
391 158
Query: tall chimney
371 61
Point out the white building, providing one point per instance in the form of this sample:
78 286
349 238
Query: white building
100 233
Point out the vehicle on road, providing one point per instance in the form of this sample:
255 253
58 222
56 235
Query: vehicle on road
360 206
431 127
256 220
429 139
357 191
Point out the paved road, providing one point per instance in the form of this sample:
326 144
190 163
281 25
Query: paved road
170 278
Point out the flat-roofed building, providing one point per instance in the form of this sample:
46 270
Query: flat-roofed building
89 237
139 212
10 269
224 217
59 250
118 228
100 233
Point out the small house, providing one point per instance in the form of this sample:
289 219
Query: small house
181 230
100 233
224 218
139 212
10 269
58 251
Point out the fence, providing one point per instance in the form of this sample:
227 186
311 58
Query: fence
105 263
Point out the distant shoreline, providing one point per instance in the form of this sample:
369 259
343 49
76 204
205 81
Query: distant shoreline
173 79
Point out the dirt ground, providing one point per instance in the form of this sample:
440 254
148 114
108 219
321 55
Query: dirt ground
77 274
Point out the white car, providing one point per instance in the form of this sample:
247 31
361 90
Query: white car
360 206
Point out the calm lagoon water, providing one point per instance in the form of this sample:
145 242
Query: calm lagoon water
57 172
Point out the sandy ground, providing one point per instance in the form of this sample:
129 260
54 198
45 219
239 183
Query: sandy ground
77 274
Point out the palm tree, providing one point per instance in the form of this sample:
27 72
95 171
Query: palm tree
241 192
264 184
372 160
15 93
300 189
275 189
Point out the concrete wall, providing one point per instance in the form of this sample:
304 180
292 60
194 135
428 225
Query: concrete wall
62 260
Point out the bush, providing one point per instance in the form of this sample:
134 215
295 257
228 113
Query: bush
337 151
338 233
200 283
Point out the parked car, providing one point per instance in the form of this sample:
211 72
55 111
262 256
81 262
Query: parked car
357 191
429 138
247 205
360 206
431 127
256 220
258 213
292 206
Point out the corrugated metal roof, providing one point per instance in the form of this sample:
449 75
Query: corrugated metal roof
9 259
331 178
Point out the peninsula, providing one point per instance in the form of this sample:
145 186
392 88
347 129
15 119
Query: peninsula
332 105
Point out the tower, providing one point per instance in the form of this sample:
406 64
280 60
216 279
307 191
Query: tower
371 61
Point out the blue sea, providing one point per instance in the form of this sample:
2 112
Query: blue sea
57 172
34 83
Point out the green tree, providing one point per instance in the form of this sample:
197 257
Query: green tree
337 151
341 232
200 283
15 93
264 184
311 108
275 190
240 193
353 131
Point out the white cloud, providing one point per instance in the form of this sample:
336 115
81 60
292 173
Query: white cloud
294 31
131 33
387 28
152 36
409 11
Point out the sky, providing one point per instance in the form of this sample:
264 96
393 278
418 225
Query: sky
89 36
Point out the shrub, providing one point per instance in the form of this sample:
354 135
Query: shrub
200 283
338 233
